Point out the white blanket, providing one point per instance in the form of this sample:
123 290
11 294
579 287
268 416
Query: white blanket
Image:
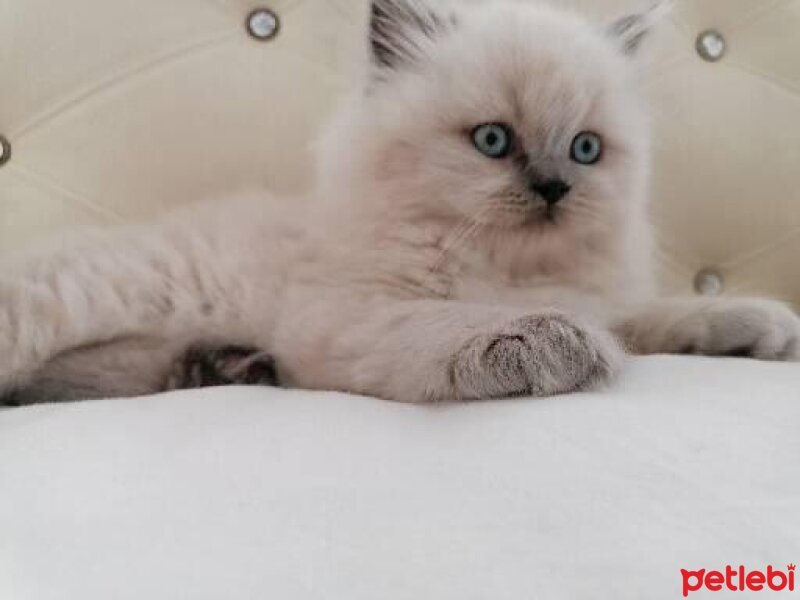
263 494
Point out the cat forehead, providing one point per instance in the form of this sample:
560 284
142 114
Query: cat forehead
527 62
522 39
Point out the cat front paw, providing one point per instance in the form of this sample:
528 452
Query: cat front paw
754 328
539 355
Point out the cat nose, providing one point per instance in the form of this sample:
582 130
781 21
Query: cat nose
552 190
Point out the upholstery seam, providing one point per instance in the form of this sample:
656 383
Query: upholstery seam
44 181
109 82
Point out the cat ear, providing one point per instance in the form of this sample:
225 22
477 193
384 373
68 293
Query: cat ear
399 29
630 30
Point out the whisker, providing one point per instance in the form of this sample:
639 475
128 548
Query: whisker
467 228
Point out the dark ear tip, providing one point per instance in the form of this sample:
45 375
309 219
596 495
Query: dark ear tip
377 8
632 29
395 27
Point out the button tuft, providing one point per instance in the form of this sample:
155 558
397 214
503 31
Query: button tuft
709 282
5 150
263 24
711 45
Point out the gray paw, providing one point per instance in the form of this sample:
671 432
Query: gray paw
539 355
760 329
207 366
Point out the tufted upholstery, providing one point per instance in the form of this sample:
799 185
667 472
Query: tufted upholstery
116 110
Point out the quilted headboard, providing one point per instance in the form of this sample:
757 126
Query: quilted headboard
114 110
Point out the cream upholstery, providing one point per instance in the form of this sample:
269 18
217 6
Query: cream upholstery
115 109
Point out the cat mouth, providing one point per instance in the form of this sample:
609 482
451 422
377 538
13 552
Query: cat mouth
532 217
544 214
529 211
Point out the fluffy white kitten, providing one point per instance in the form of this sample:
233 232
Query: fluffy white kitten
478 229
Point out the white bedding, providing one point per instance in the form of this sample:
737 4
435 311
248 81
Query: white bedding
261 494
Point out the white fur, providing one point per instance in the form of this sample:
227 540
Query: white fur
418 269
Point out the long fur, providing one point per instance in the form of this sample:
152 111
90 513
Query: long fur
418 269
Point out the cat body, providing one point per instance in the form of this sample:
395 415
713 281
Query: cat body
477 229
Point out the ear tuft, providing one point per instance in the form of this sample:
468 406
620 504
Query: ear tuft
398 28
632 29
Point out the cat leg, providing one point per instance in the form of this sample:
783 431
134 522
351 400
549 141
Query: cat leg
757 328
117 369
141 366
431 351
207 365
102 289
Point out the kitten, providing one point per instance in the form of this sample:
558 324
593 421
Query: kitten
478 229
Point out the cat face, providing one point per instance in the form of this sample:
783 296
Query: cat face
501 112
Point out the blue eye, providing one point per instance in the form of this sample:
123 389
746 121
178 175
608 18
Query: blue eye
587 148
493 139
